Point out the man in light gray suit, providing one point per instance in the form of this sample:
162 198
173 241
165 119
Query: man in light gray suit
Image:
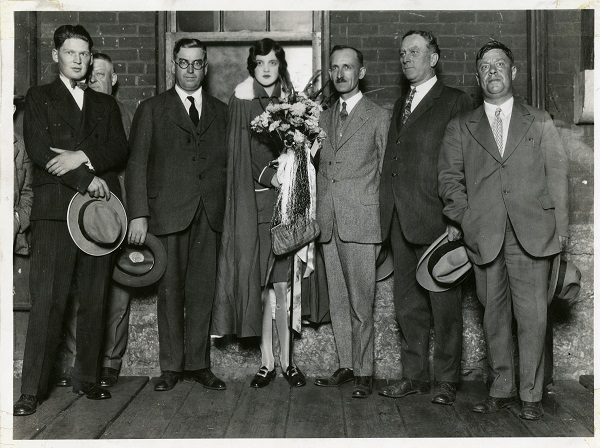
348 215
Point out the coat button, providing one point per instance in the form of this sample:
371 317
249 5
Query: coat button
333 181
395 158
394 174
194 158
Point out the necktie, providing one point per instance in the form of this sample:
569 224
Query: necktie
81 84
193 111
498 131
343 112
406 112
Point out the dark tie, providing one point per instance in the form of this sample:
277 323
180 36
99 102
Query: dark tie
406 112
81 84
193 111
343 112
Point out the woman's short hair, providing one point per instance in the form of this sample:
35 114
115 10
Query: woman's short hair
264 47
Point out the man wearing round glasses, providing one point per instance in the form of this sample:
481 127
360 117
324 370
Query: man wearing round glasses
175 182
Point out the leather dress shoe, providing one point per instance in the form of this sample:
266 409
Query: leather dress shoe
494 404
531 410
363 386
208 379
445 393
167 381
294 376
262 378
25 405
405 387
339 377
92 391
108 376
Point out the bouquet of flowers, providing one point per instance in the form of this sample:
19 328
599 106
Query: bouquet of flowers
292 126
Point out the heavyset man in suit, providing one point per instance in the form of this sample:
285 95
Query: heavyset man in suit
102 79
84 128
503 179
175 182
348 215
411 215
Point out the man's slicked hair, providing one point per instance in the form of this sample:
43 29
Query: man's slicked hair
65 32
494 45
359 54
432 43
188 43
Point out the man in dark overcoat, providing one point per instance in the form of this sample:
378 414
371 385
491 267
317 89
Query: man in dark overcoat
411 216
175 182
76 141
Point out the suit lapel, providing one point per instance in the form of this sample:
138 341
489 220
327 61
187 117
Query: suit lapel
92 114
357 119
65 105
207 115
480 129
424 105
177 112
327 123
520 122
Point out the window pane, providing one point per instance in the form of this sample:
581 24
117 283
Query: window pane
245 21
192 21
291 21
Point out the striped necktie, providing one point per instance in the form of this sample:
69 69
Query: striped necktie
498 131
408 104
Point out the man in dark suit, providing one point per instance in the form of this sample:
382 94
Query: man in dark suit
411 215
503 179
175 182
348 212
75 139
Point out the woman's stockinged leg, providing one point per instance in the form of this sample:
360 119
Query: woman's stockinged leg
282 323
266 341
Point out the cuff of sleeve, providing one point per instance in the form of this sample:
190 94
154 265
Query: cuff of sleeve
266 175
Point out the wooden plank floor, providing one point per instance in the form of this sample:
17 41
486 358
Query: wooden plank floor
136 411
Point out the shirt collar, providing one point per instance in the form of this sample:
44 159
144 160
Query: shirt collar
183 95
66 81
490 109
426 86
352 101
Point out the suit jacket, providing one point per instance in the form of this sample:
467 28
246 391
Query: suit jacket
409 175
53 119
349 173
23 193
481 189
173 166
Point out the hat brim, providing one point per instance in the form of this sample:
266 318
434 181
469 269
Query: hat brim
87 246
553 278
153 275
385 263
423 275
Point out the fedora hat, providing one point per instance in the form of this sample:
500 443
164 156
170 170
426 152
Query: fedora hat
140 265
384 263
564 280
97 226
443 265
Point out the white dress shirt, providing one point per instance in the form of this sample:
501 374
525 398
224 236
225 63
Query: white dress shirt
421 91
490 111
351 102
76 92
183 95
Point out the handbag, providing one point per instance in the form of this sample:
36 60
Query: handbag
287 239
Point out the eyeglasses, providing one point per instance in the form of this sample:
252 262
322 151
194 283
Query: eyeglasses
198 64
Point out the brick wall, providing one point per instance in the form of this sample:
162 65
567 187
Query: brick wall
129 38
460 34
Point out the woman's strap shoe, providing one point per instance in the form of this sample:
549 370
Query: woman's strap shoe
262 378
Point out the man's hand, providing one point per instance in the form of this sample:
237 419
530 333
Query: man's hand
138 228
98 188
454 233
564 242
65 161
